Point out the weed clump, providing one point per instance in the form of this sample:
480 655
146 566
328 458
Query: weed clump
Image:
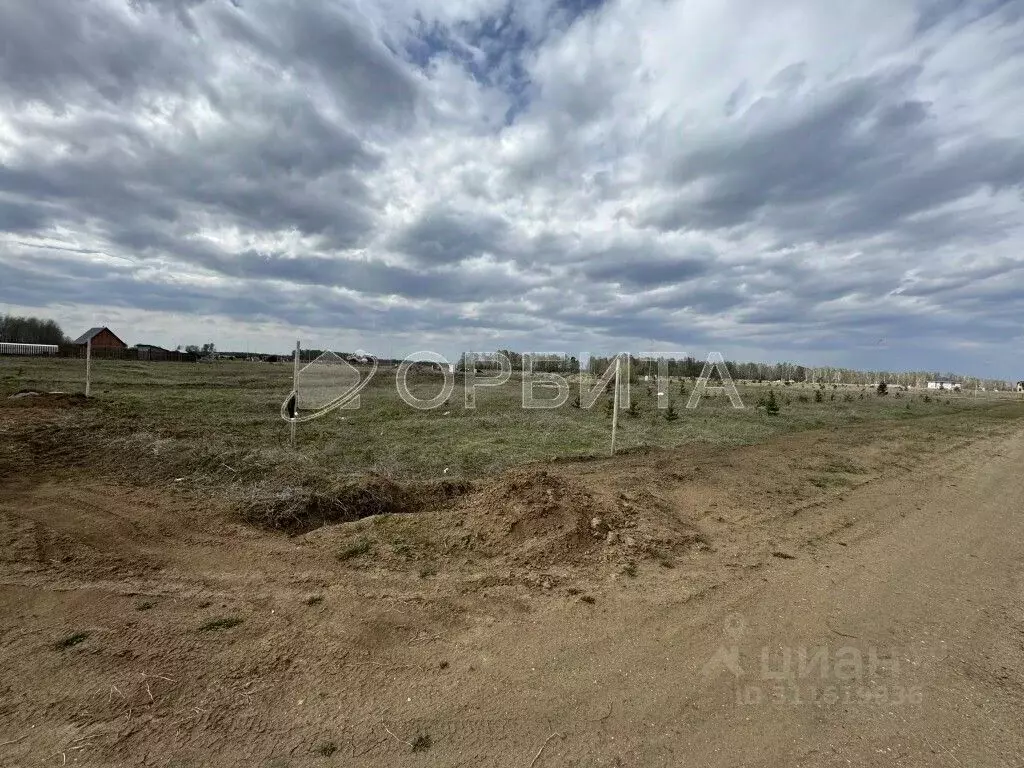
357 548
71 640
327 749
226 622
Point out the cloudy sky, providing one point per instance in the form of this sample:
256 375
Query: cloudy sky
825 182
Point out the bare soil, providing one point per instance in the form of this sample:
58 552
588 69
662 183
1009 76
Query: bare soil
826 598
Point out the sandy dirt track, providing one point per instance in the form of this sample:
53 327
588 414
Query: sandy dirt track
877 623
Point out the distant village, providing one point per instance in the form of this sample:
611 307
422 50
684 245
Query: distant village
103 342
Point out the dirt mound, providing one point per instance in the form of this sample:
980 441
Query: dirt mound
300 510
32 440
529 519
535 517
539 518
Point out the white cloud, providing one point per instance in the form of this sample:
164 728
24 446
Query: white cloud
802 174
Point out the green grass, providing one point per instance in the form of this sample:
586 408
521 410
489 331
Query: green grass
217 426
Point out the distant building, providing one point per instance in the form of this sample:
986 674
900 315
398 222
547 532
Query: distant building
151 352
1020 386
102 338
944 384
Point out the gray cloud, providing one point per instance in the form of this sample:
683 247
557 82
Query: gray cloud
444 236
631 267
533 173
854 161
64 56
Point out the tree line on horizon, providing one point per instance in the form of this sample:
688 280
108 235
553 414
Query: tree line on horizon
30 330
34 330
690 367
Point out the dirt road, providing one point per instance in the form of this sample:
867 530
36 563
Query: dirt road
880 622
903 647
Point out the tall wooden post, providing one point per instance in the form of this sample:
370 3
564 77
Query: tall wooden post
295 389
88 365
615 401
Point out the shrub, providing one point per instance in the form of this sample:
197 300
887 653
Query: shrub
818 397
882 389
670 412
769 403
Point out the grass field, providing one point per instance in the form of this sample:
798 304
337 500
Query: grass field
195 415
206 595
